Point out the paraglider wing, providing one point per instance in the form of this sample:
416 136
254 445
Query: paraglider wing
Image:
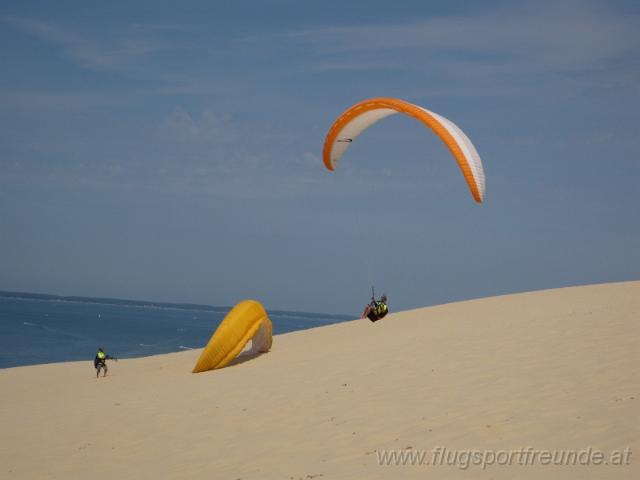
362 115
246 321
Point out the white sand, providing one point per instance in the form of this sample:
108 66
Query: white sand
556 369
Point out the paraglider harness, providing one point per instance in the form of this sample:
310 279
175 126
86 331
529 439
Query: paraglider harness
379 308
378 311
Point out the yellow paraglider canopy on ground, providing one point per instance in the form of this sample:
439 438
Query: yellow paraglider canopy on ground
248 320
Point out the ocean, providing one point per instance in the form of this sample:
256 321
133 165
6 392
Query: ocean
38 329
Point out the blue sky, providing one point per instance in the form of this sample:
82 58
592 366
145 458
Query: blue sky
173 152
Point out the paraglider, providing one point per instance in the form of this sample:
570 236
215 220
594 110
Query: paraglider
362 115
100 362
376 309
357 118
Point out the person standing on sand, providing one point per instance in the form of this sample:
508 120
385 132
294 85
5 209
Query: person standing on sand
100 362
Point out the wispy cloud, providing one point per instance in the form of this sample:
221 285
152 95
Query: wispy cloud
209 127
385 64
559 37
115 50
67 101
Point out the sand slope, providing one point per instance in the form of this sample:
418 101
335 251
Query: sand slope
556 369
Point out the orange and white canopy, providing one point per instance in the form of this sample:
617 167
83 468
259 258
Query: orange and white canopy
362 115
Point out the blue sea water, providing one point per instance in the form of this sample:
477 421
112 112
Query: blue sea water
56 329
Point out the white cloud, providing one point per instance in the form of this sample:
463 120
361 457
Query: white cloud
209 127
115 50
67 101
548 36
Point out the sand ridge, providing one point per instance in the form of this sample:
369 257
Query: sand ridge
555 369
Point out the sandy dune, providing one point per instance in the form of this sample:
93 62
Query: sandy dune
548 370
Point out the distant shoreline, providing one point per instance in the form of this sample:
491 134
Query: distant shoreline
148 304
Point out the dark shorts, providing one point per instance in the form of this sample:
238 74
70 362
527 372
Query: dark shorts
374 317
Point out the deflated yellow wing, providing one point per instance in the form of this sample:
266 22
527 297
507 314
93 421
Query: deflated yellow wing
246 321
